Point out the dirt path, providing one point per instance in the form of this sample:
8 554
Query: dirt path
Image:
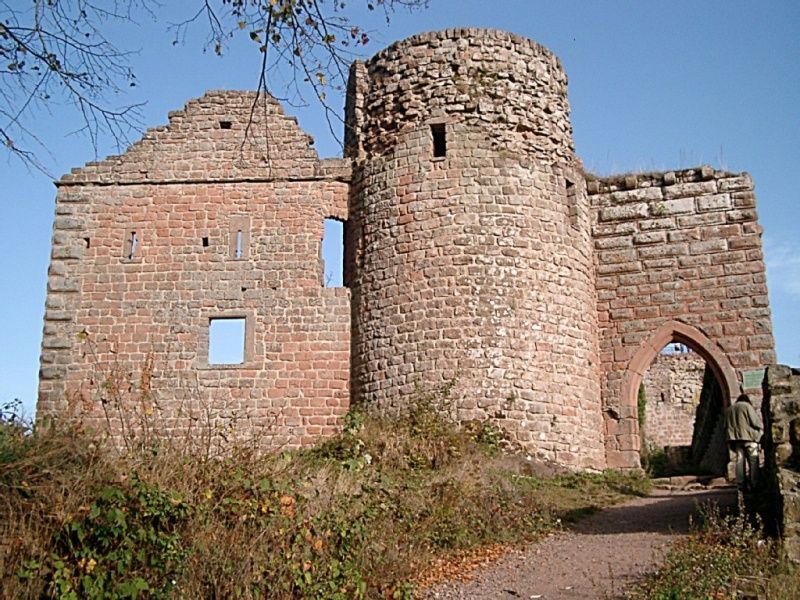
596 558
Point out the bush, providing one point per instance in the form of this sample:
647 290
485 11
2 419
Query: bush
362 515
125 543
725 555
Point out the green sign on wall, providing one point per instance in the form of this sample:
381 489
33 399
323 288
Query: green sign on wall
751 380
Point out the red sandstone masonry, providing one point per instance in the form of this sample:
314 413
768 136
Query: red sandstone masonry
679 247
672 389
186 189
474 267
543 294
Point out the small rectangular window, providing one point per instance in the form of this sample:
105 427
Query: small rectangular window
226 340
439 140
572 203
225 124
205 242
237 253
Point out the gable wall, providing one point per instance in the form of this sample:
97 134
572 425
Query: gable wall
127 339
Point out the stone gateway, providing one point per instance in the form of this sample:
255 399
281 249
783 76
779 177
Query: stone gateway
479 255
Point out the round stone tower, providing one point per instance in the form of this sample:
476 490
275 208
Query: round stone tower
469 252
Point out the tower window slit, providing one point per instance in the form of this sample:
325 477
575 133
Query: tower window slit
439 140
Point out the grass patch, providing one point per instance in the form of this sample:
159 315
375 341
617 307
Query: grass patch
361 515
726 557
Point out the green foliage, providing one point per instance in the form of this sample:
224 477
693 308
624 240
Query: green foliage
362 515
125 543
655 463
14 432
641 406
713 562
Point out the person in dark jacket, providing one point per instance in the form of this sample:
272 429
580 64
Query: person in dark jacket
743 428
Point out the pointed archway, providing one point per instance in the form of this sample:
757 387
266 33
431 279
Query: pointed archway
669 332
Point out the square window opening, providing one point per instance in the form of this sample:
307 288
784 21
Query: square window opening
332 251
226 340
439 140
225 124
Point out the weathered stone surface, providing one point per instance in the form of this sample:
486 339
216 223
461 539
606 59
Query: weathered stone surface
477 252
515 331
686 243
782 452
672 389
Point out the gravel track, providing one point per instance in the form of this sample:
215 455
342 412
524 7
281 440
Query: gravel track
595 558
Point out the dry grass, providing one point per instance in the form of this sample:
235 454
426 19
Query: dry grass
725 558
359 516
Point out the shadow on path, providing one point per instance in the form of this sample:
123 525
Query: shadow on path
661 512
597 557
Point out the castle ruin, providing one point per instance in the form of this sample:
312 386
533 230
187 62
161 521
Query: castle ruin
478 253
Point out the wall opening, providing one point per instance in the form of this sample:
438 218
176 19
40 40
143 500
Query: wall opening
681 415
205 242
332 253
572 203
439 135
226 340
237 252
225 124
239 238
131 245
627 426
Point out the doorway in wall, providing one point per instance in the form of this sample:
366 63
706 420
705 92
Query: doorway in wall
664 444
681 415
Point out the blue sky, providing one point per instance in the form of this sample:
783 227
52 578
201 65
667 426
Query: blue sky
653 86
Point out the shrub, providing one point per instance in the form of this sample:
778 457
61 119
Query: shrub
362 515
126 542
716 561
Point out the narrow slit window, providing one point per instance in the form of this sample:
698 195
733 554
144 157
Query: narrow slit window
88 242
226 340
205 242
439 140
239 241
131 245
332 251
237 253
572 203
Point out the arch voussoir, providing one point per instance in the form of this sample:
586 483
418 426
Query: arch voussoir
627 444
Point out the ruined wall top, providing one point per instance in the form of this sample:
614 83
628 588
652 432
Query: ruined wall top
206 142
508 85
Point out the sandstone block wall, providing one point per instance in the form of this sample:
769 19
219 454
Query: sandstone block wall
782 453
673 384
678 258
475 266
477 252
192 194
